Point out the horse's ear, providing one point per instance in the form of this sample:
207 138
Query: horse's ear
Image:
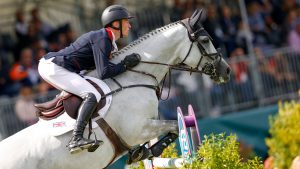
195 18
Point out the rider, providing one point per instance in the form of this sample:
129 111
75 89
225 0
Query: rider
91 50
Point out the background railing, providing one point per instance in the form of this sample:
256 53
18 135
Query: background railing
277 70
9 121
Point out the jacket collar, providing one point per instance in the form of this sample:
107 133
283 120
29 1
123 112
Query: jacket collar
113 40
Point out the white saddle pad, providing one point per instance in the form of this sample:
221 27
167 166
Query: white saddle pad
65 123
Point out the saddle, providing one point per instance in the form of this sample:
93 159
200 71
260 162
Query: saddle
70 103
66 102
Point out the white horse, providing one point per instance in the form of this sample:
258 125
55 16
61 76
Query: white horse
133 113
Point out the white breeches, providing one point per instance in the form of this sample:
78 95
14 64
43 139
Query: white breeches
65 80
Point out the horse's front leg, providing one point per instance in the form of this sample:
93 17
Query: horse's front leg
154 129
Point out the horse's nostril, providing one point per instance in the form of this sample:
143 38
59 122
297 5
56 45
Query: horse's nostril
228 70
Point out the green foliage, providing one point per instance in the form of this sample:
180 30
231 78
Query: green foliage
170 152
284 143
218 151
138 165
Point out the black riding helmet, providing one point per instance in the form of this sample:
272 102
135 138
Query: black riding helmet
115 13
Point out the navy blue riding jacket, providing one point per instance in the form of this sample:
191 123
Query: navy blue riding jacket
91 50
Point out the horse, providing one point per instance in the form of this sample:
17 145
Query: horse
133 111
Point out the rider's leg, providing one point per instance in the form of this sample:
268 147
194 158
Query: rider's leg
85 112
73 83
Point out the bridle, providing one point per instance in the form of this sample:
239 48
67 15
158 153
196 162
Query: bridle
209 68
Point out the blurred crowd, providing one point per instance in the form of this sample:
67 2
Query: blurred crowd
20 57
272 24
19 60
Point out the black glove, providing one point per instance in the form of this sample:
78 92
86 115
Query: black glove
131 60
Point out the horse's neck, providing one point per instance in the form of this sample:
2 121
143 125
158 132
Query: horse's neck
164 47
168 46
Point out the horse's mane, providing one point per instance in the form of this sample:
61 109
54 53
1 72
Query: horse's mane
145 37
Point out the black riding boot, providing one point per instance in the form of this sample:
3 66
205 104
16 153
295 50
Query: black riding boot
86 109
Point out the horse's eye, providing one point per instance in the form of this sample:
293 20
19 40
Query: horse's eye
204 39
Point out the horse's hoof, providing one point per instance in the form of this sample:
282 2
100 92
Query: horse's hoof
94 146
138 154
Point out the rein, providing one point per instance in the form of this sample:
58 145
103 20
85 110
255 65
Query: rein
209 68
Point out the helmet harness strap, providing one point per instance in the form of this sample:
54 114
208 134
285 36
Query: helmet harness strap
119 28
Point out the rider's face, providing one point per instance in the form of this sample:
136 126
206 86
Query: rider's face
125 27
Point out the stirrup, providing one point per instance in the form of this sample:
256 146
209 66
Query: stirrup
95 145
76 148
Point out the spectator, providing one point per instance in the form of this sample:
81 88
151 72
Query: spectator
24 72
43 28
257 24
44 87
243 35
70 34
38 54
294 37
289 23
21 29
189 7
280 10
213 27
53 45
24 108
273 31
32 35
267 72
295 163
177 11
6 86
283 75
242 83
229 28
21 26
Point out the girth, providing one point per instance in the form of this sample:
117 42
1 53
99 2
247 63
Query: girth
119 145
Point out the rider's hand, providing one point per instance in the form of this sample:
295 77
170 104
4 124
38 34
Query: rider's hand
131 60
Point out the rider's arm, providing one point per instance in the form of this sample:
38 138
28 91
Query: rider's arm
101 49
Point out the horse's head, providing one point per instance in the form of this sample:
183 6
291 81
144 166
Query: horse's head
202 55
